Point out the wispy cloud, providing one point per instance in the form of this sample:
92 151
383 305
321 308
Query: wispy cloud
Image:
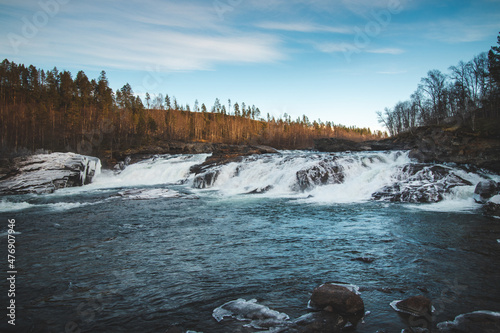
350 47
386 51
133 35
304 27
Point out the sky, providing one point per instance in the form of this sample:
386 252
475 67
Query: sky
333 60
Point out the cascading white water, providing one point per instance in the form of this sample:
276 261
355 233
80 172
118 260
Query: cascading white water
313 177
326 177
167 169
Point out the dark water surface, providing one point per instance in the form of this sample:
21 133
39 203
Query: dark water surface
99 262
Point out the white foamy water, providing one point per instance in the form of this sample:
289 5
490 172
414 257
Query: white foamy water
322 177
364 175
9 206
168 169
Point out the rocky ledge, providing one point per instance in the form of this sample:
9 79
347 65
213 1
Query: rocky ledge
430 144
219 151
45 173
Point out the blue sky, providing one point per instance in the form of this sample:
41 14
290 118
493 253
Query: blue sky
332 60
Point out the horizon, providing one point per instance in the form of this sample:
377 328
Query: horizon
338 62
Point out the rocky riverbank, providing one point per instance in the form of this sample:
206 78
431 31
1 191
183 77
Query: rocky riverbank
430 144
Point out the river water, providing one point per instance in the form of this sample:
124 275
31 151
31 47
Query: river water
145 250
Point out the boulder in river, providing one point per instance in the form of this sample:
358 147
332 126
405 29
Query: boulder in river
420 183
492 207
485 189
338 300
418 306
45 173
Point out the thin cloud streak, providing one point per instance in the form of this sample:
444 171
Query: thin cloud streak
304 27
131 42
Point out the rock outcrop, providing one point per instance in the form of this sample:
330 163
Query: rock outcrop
421 183
45 173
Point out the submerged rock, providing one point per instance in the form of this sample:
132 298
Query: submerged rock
316 322
46 173
485 189
474 322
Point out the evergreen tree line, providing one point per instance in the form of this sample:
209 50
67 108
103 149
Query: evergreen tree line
468 93
52 110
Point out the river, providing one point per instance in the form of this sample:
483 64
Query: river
146 250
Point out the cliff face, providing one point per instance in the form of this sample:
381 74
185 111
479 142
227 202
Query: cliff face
430 144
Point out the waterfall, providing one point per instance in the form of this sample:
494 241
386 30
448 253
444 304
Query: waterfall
315 177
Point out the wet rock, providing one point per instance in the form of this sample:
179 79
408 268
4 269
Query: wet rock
319 322
474 322
339 300
261 190
259 316
321 174
45 173
420 183
418 306
223 154
485 189
206 179
492 207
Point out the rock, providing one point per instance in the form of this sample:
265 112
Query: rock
339 145
223 154
258 315
474 322
324 173
367 260
340 300
492 207
485 189
418 306
421 183
45 173
206 179
430 144
319 322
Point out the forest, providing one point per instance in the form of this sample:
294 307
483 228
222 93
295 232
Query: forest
53 110
468 96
